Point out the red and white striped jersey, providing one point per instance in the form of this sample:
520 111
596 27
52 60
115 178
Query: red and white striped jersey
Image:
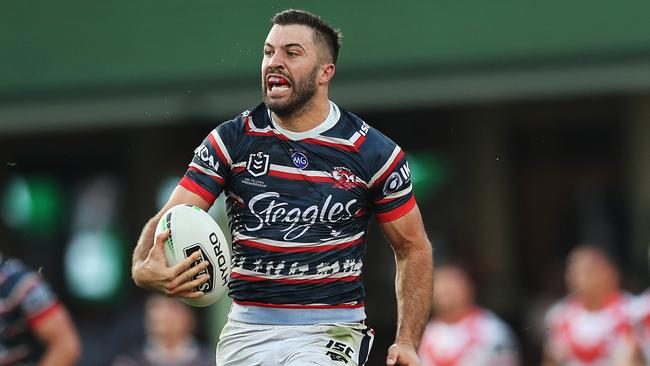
641 316
299 205
578 336
478 339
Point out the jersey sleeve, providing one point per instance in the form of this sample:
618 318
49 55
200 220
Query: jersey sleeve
36 298
639 309
391 188
208 172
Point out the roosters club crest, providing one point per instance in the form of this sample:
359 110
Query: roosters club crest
344 178
258 164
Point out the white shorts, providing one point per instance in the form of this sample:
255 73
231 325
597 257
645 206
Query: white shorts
343 344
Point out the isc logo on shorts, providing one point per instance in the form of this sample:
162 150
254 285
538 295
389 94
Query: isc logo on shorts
341 349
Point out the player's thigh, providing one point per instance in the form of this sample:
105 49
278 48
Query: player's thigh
245 345
333 345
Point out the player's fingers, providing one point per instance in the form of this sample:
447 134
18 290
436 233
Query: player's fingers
158 247
188 275
191 294
160 238
190 285
183 265
393 354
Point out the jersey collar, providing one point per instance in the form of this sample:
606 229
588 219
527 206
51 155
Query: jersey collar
329 122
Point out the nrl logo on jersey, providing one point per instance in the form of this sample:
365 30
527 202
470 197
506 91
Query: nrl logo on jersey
258 164
344 178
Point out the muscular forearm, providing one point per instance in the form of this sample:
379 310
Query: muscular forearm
145 241
63 354
414 286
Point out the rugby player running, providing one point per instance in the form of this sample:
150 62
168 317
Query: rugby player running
302 178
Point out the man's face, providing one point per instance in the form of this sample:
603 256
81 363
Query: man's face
289 68
452 290
586 272
168 321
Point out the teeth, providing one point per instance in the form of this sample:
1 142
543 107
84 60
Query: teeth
279 87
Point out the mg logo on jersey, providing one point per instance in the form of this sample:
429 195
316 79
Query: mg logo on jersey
299 160
258 164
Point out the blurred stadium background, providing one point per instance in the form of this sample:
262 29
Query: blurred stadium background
528 127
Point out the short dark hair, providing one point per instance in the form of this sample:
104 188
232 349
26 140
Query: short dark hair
323 32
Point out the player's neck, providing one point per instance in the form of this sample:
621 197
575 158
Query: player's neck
170 348
313 114
600 300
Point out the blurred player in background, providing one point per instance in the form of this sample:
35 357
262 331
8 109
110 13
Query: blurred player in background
641 315
462 333
169 326
35 328
302 178
592 326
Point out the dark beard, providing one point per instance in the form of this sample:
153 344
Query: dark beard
302 93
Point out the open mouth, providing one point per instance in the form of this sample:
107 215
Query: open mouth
277 83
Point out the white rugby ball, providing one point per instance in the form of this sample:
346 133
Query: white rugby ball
193 229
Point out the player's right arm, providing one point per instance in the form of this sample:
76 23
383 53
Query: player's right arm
203 182
149 268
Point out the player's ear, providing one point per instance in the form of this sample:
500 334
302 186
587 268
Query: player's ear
327 73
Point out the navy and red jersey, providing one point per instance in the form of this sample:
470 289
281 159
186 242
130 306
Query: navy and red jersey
25 301
299 204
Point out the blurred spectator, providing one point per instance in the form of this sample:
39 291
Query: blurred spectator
641 316
169 326
35 327
462 333
592 325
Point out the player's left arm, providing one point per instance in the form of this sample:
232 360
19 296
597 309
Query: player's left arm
413 284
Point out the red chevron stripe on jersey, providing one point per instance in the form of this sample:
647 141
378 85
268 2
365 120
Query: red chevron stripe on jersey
197 168
388 167
221 151
291 247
